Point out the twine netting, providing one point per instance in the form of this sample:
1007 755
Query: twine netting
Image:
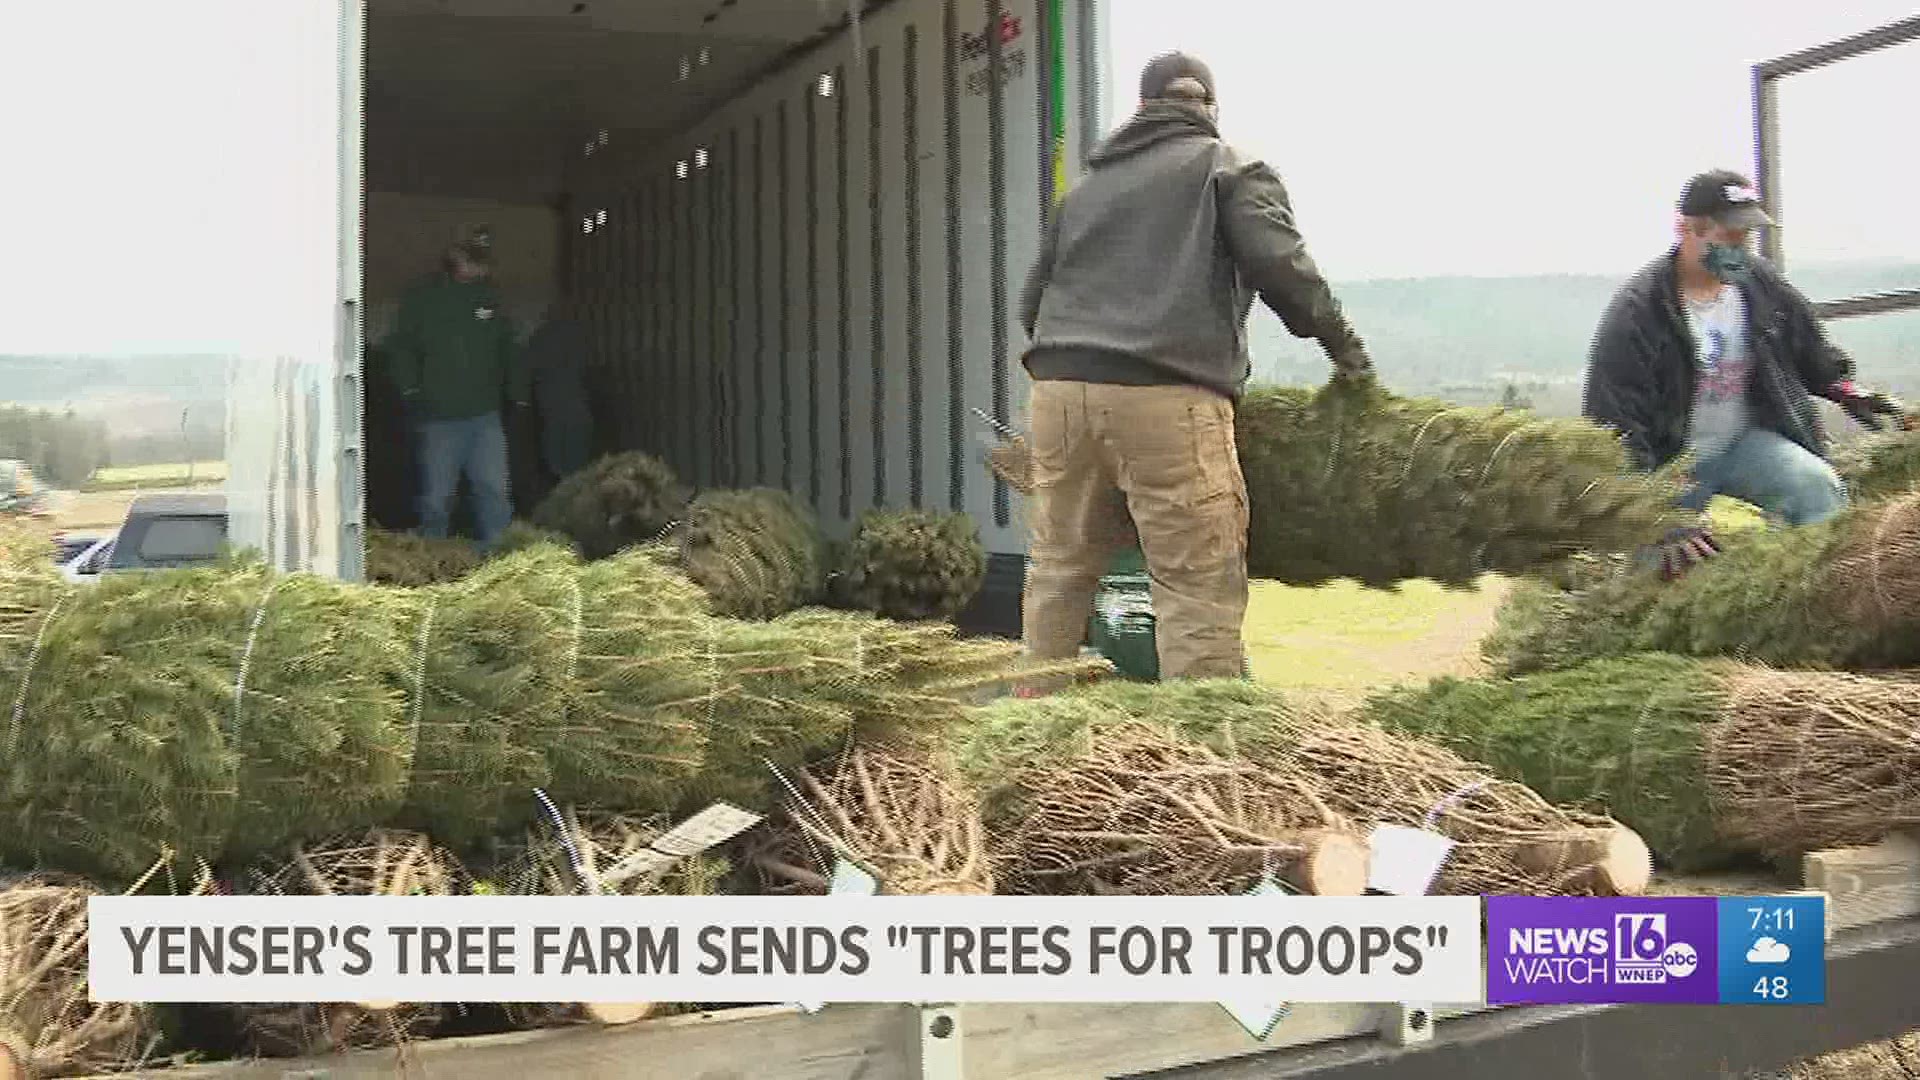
757 553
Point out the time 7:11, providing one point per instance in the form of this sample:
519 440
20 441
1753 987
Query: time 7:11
1782 917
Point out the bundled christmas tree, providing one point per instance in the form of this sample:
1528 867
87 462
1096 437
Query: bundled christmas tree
758 553
1209 785
224 711
1351 482
616 502
411 561
913 565
1845 594
1880 465
1709 761
205 711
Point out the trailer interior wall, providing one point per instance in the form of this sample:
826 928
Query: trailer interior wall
813 286
407 234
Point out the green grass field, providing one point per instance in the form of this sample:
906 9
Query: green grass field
165 475
1340 641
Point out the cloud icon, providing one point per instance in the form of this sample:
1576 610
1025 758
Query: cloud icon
1768 951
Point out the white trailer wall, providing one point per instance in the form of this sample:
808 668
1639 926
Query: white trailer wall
814 286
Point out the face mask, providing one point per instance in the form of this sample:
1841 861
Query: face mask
1728 263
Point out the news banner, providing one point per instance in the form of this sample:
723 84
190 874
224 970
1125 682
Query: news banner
1255 954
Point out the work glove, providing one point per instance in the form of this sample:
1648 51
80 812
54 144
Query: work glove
1869 407
1680 551
1351 363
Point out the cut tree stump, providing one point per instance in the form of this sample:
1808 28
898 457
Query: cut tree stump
615 1013
1612 861
1868 884
1335 864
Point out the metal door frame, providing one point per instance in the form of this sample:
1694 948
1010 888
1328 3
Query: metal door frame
1766 129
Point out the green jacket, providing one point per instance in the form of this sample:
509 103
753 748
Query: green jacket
453 353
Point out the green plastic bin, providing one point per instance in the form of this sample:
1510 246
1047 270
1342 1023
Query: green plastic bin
1121 628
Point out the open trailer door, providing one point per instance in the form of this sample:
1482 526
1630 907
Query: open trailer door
295 473
182 192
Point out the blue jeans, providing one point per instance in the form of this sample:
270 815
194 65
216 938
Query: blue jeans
477 447
1773 473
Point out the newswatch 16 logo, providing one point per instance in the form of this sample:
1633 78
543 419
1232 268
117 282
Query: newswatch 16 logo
1644 955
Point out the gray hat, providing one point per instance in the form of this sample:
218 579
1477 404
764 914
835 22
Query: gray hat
1163 71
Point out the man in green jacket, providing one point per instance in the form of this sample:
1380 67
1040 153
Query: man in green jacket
456 363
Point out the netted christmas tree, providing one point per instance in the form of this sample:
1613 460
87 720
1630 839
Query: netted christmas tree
206 711
616 502
912 564
1709 760
1842 594
411 561
1354 482
1881 465
757 553
224 710
1206 786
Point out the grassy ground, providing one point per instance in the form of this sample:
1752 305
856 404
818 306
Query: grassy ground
164 475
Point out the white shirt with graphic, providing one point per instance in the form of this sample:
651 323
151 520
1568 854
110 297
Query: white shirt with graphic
1721 413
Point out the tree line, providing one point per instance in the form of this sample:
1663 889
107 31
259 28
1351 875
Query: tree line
62 449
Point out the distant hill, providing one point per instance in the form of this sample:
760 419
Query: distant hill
1466 338
140 400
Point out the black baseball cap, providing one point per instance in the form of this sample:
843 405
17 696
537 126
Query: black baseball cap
1162 71
477 244
1726 197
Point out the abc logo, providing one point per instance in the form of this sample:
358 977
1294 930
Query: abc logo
1680 960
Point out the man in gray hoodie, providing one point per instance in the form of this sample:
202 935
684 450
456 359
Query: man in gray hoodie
1137 314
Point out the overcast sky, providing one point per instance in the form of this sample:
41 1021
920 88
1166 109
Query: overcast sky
1494 137
163 188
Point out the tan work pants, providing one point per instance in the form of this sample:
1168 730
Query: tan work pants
1165 456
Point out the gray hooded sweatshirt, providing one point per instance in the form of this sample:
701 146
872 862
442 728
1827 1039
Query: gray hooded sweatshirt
1149 268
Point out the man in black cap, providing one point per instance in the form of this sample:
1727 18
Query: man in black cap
1708 350
1137 313
454 357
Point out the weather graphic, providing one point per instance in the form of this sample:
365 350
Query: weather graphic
1768 951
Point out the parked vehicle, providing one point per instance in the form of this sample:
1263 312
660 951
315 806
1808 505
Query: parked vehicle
161 531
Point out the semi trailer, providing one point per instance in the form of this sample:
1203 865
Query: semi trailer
794 230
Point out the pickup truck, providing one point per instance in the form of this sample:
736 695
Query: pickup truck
161 531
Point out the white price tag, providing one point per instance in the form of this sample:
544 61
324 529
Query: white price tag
717 824
1259 1018
1405 861
848 880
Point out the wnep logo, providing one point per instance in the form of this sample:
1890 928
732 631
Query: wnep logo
1550 950
1644 956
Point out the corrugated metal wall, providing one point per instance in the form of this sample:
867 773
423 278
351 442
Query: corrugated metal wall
814 287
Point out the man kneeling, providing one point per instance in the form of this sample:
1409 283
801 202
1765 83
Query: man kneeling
1708 349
